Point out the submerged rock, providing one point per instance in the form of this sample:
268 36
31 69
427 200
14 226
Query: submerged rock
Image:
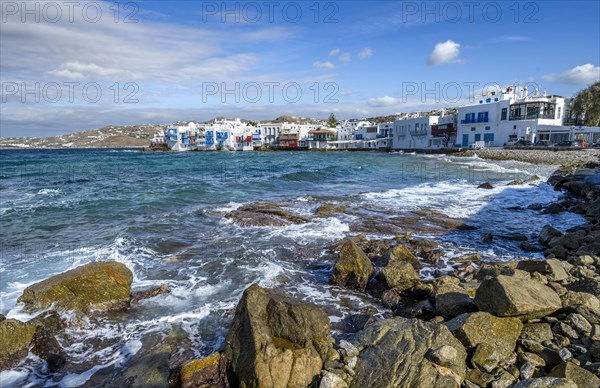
509 296
15 339
276 340
329 209
207 372
264 214
353 268
398 352
485 185
103 285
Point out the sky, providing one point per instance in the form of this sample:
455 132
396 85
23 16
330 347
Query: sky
77 65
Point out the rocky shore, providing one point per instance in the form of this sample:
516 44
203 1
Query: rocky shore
571 158
528 323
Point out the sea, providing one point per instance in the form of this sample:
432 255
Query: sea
163 216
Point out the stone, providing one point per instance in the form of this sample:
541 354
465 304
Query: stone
498 334
485 185
488 271
527 371
579 376
207 372
329 209
538 332
149 293
400 275
264 214
591 286
347 349
573 299
102 285
276 340
558 252
552 268
150 370
402 253
554 357
579 323
531 358
481 379
595 350
548 233
15 338
394 355
529 247
353 268
486 357
44 344
452 300
567 241
565 330
444 355
546 382
506 296
331 380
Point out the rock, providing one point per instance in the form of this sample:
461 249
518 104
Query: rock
548 233
150 370
488 271
44 344
393 355
481 379
102 285
347 349
579 323
402 253
331 380
565 330
488 237
444 356
150 293
573 299
452 300
546 382
276 340
206 372
552 268
591 286
498 334
579 376
527 246
527 371
506 296
595 350
400 275
485 185
538 332
558 252
486 358
356 322
15 338
554 208
422 309
329 209
353 268
264 214
554 357
531 358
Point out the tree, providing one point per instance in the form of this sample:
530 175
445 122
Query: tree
332 121
587 105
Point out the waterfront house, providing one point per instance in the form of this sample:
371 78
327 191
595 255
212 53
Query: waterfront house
183 138
320 138
414 132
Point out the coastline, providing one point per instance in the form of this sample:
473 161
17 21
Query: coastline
423 300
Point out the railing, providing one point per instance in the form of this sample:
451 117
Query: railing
475 121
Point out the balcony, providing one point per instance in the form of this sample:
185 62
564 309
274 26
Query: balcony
475 120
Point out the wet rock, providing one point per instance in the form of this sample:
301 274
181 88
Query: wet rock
546 382
264 214
558 252
579 376
15 339
276 340
488 237
400 275
103 285
548 233
44 344
506 296
422 309
353 268
579 323
498 334
150 293
402 253
485 185
357 322
149 370
444 356
551 268
529 247
208 372
554 357
488 271
567 241
329 209
394 354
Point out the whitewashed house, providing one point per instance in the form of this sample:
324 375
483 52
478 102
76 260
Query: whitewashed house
413 132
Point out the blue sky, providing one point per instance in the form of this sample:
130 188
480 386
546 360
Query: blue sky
159 61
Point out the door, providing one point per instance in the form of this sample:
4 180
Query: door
477 137
465 141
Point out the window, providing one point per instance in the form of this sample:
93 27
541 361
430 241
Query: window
478 137
558 115
488 137
472 128
488 128
514 127
503 114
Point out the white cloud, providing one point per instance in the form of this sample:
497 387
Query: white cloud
334 51
76 70
579 75
345 57
382 101
365 53
443 53
325 65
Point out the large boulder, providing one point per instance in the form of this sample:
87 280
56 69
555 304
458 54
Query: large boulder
276 340
353 268
402 352
493 339
452 300
509 296
207 372
552 268
402 253
580 376
548 233
546 382
15 338
400 275
102 285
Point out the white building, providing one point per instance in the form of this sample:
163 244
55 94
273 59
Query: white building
413 132
229 135
269 133
511 115
183 138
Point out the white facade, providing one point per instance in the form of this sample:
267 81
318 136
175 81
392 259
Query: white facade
511 115
229 135
413 133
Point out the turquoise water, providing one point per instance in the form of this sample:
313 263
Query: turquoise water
162 214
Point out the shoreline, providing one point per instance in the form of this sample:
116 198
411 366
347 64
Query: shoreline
429 307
